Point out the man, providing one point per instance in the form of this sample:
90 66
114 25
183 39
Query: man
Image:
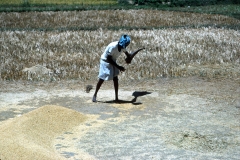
109 69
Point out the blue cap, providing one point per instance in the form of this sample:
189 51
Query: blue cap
124 41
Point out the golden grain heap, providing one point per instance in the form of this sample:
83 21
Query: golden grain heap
75 54
32 135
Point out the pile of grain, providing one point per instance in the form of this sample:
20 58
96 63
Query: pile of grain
31 136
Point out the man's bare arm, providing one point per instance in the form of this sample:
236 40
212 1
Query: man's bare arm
109 59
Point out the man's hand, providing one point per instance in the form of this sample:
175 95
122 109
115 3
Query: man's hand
122 69
129 57
128 60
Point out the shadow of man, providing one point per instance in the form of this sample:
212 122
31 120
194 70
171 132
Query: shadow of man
136 94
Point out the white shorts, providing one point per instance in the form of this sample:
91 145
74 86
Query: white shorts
107 71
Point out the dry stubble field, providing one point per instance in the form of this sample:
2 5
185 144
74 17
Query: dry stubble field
186 84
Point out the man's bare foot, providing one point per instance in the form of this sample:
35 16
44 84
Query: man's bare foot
118 101
94 99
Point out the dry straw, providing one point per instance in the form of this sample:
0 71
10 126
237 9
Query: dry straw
203 51
168 52
110 19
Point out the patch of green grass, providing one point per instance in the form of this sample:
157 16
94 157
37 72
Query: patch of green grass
55 5
69 2
228 9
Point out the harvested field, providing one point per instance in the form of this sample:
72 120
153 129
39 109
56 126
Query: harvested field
75 54
180 96
109 19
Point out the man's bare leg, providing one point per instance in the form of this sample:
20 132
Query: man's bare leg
99 84
115 82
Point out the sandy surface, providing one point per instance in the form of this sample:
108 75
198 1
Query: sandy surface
185 118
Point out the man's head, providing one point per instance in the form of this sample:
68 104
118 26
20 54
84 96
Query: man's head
124 41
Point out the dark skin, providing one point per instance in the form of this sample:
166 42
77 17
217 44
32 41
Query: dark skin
115 79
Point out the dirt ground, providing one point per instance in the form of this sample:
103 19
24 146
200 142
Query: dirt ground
179 118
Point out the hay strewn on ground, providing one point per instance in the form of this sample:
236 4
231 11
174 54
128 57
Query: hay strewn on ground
75 55
31 135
